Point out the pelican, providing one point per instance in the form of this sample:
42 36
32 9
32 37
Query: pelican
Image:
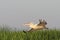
41 25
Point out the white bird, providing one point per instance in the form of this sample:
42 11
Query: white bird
42 25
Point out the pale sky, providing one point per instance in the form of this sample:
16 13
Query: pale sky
17 12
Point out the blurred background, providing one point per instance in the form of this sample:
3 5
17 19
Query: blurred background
15 13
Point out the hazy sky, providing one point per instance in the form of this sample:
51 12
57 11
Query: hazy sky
16 12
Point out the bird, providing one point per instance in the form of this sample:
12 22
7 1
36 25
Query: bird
41 25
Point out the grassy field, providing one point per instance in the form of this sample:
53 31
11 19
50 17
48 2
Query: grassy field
35 35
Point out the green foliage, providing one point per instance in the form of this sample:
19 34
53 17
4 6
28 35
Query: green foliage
35 35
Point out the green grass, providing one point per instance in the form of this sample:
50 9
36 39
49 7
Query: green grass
35 35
